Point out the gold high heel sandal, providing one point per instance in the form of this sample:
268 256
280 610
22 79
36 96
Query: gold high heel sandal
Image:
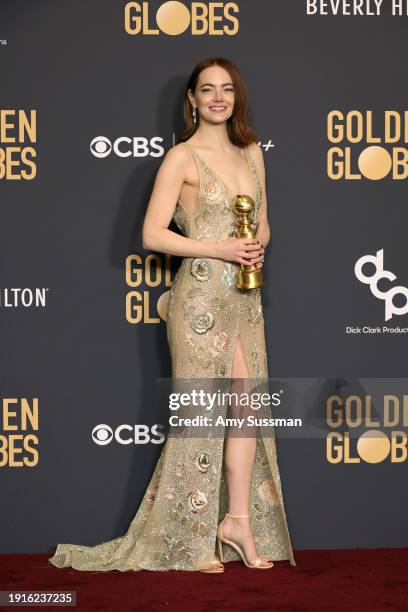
257 564
213 568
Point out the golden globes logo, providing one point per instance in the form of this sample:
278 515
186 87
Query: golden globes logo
372 445
17 129
141 276
19 418
367 147
174 18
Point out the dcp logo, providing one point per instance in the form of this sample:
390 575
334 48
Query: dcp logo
388 296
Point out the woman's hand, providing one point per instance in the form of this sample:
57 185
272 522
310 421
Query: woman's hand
247 251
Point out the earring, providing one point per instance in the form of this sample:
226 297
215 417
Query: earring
194 114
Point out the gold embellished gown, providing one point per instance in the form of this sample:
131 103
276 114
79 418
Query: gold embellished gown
176 522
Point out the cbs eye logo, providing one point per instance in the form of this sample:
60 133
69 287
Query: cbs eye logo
101 146
138 146
103 434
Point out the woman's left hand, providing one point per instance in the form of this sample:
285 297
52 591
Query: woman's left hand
259 264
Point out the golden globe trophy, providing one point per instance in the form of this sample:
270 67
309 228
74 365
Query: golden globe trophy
249 277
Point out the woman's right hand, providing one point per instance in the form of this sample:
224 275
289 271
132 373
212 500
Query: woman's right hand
247 251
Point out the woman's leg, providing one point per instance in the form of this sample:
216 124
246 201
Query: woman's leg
239 463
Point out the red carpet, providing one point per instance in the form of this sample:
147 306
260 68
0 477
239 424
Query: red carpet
326 580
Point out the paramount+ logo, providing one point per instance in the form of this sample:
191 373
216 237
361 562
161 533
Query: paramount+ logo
175 18
370 443
367 146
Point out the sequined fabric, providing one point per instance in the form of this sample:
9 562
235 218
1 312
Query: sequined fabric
175 524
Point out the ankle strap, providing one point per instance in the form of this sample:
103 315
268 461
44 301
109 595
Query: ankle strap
237 515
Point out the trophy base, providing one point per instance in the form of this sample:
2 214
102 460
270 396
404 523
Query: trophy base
250 280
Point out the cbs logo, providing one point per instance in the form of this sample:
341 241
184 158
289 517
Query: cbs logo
125 434
127 147
174 18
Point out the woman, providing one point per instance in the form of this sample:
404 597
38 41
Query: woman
216 333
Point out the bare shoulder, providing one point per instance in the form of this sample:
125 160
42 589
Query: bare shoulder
175 165
256 152
178 156
257 155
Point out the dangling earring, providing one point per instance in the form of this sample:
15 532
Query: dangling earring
194 114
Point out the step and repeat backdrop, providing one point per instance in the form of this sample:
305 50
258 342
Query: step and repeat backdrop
90 101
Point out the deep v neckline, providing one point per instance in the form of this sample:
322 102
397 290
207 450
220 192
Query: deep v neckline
221 180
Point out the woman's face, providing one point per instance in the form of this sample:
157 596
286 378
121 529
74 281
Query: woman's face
214 95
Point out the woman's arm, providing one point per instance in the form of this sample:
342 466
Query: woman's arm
156 235
263 233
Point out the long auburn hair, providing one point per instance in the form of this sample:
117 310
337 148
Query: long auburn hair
239 131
